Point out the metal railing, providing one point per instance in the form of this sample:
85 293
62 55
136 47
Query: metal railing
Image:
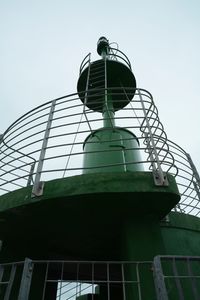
85 63
164 278
177 277
71 280
114 54
47 143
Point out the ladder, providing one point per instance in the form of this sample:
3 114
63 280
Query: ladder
96 84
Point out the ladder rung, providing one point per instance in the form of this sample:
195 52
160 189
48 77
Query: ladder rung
97 68
99 87
97 73
96 84
96 81
95 77
98 63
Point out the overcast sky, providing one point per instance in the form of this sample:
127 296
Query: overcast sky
44 42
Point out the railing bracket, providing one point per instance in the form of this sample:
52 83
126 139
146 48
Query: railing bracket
38 189
160 180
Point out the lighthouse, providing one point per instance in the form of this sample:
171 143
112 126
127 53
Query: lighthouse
96 202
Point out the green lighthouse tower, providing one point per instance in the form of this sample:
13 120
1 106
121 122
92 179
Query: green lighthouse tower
107 74
96 202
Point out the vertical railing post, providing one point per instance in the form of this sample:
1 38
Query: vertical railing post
159 177
86 91
10 282
1 138
30 177
159 281
195 175
123 282
26 280
108 280
38 186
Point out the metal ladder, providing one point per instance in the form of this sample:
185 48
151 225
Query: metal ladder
96 75
96 84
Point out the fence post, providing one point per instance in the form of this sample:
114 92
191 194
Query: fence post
30 177
26 280
159 279
196 175
38 186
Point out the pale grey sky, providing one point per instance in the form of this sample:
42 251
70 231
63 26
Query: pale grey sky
44 42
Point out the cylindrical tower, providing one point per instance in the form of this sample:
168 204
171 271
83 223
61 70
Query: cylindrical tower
97 90
96 203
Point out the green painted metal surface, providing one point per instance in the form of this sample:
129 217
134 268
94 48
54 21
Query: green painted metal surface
107 216
179 235
121 82
115 213
108 112
144 238
81 216
111 150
